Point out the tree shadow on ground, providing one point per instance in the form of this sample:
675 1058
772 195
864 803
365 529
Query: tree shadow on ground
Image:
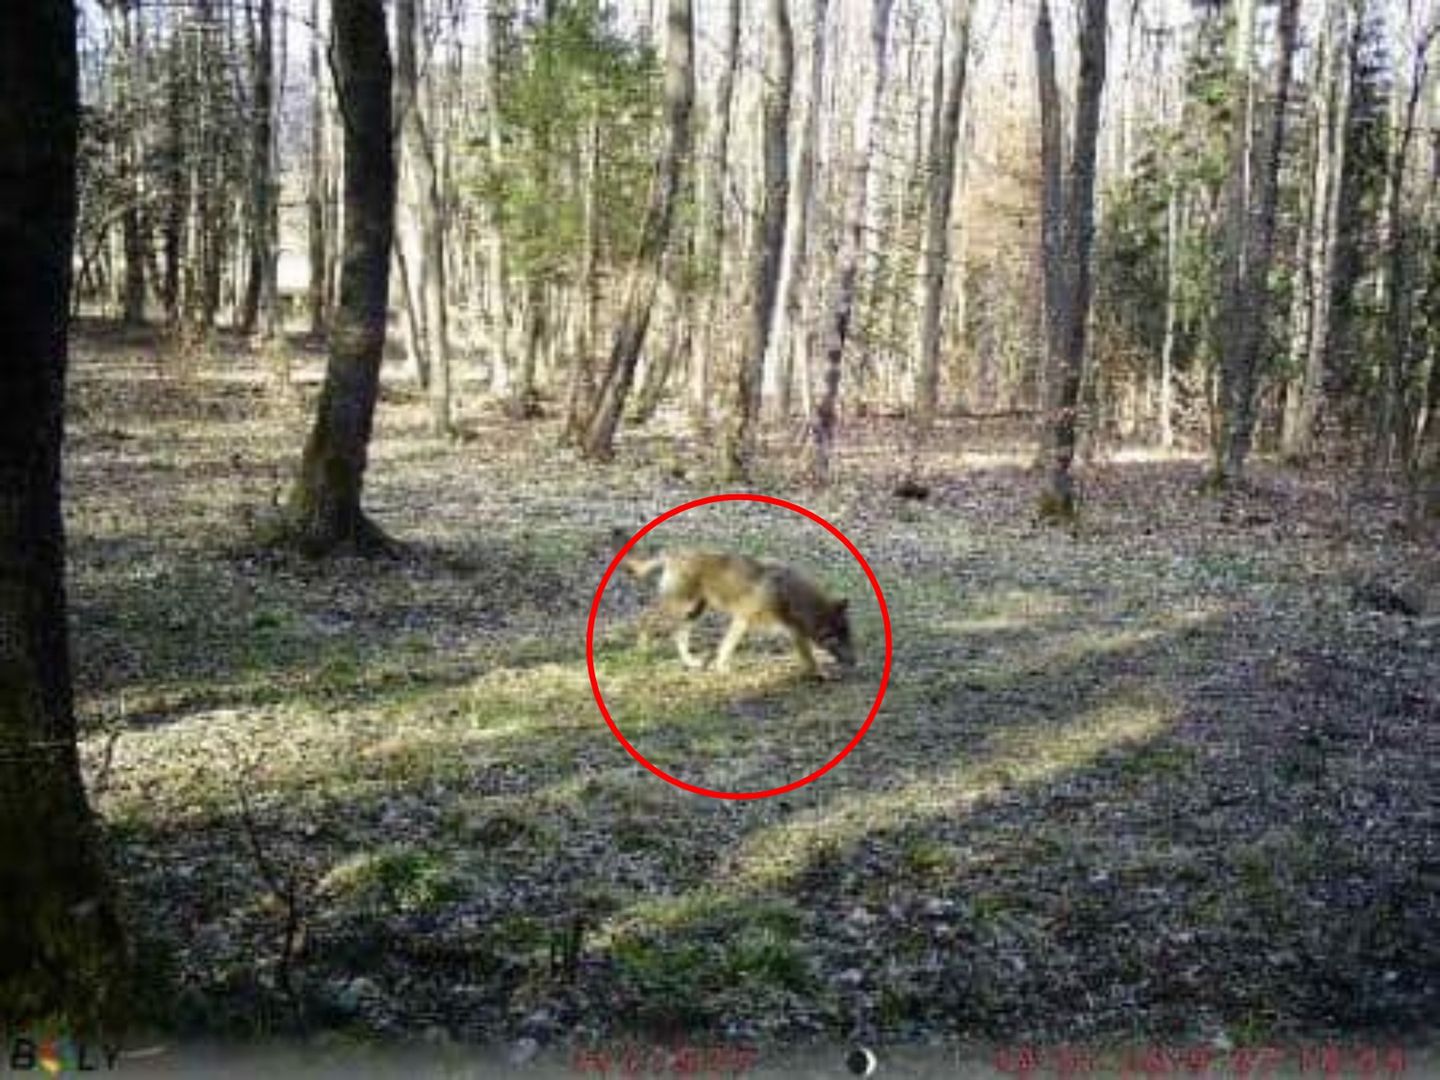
1143 833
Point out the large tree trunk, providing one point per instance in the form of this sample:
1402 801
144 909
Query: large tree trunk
325 503
836 330
1067 236
790 334
62 945
430 273
939 194
765 259
1248 251
655 234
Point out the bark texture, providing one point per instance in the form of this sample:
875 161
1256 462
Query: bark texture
325 510
62 952
1067 238
1243 301
836 329
939 195
765 258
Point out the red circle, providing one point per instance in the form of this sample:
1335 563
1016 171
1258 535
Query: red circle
600 699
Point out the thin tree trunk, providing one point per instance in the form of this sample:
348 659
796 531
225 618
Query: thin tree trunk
1069 229
852 244
125 66
177 195
582 374
1396 416
939 195
524 401
325 503
315 196
498 314
644 277
714 250
1310 215
259 308
62 943
1242 313
1324 239
764 275
1172 297
414 321
429 212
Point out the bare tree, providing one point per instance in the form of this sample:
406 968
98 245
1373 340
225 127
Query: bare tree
713 248
427 206
497 20
63 948
261 299
325 511
315 194
939 194
1396 418
644 279
789 340
1249 245
1312 332
1067 237
765 258
847 265
123 15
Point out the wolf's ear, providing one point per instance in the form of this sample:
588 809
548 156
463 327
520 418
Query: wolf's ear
841 605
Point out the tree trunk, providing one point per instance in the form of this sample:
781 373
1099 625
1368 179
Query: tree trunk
1309 215
852 245
1325 229
939 195
404 244
315 196
655 234
498 315
1243 307
177 195
713 216
429 281
765 257
1067 236
63 948
325 503
259 310
1166 405
582 374
524 400
791 333
1396 417
125 67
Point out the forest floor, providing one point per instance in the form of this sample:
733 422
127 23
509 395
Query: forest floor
1169 778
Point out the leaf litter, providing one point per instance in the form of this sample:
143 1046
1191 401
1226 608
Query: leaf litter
1170 776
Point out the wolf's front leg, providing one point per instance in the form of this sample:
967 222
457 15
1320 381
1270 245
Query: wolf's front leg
682 645
733 636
